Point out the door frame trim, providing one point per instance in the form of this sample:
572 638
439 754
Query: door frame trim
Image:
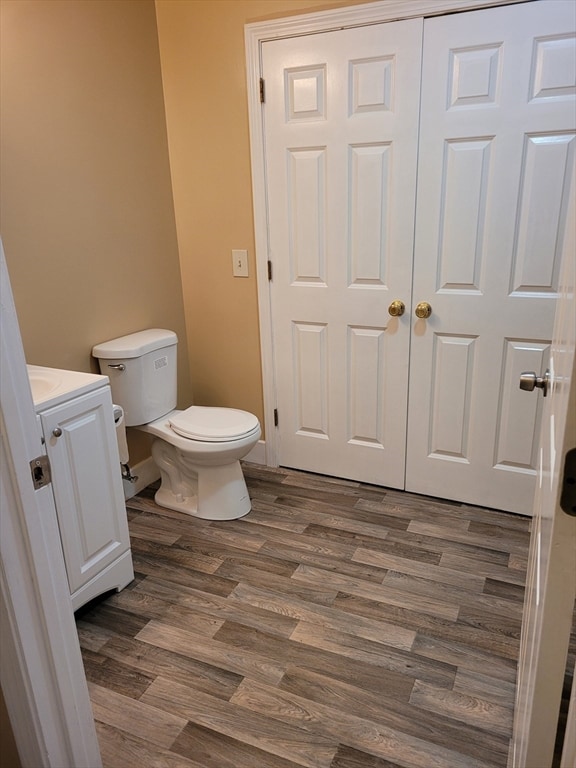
254 35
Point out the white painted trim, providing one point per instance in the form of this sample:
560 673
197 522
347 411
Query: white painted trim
258 454
41 667
146 471
253 42
254 35
361 15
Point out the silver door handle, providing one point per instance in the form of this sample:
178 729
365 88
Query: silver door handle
529 381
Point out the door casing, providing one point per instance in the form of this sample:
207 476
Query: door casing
255 35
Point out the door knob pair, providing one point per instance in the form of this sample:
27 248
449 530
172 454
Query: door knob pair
422 311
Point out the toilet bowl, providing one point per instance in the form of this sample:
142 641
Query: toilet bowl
197 450
203 477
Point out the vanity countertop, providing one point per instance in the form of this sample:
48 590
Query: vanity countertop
53 386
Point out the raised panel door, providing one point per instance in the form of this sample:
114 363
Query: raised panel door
341 122
551 576
497 140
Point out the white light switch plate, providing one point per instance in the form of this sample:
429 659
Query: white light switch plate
240 263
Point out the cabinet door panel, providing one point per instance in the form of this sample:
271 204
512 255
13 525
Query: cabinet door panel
87 484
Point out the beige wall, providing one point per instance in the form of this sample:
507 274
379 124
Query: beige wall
87 217
204 75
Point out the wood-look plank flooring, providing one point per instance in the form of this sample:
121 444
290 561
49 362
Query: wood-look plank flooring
338 625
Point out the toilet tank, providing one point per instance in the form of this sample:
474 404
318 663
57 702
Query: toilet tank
142 372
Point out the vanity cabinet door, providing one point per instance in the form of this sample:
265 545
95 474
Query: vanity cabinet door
83 451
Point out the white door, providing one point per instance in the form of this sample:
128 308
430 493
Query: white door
497 136
41 669
497 139
551 583
341 122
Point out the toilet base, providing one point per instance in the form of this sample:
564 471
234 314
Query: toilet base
207 492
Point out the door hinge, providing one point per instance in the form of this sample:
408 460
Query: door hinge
275 417
269 270
262 91
41 472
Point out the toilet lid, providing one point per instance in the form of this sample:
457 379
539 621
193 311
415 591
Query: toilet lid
213 424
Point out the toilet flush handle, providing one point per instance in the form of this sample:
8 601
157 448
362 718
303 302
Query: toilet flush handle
118 366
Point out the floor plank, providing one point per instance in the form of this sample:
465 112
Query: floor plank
350 729
156 725
241 724
462 706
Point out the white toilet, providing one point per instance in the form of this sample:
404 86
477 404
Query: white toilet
198 450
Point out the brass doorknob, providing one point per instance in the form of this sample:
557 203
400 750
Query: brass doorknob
423 310
396 309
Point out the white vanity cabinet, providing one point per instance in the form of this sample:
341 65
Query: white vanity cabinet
80 440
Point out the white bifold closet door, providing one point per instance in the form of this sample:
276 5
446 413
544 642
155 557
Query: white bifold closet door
418 161
496 150
341 118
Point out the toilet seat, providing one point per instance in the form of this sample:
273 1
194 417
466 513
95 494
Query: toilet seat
213 425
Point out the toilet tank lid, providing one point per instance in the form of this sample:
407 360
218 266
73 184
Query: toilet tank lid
135 344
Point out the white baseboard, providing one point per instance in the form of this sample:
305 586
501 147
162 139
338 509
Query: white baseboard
147 472
258 454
